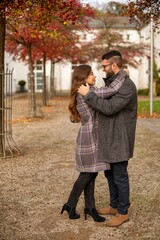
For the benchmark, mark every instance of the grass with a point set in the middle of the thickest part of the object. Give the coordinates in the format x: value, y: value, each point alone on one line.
x: 144, y: 106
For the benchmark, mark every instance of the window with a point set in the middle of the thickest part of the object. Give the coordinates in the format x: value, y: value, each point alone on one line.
x: 39, y: 67
x: 39, y: 80
x: 38, y: 71
x: 38, y: 62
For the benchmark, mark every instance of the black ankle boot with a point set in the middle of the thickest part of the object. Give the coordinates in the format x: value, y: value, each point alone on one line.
x: 94, y: 214
x: 71, y: 211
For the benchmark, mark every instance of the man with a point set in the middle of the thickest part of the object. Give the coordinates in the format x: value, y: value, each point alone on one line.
x: 116, y: 135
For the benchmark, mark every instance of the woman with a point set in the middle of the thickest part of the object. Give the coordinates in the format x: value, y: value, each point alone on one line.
x: 86, y: 144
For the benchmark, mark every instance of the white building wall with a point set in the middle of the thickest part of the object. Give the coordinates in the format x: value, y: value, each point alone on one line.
x: 145, y: 62
x: 131, y: 35
x: 97, y: 69
x: 134, y: 75
x: 20, y: 71
x: 157, y: 48
x: 63, y: 72
x: 143, y: 74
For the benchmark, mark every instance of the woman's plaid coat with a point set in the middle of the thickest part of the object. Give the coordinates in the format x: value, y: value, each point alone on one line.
x: 87, y: 141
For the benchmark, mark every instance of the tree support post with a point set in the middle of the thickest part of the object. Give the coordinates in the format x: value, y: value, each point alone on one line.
x: 9, y: 147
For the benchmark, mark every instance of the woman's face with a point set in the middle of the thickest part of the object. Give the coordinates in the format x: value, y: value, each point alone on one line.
x: 91, y: 79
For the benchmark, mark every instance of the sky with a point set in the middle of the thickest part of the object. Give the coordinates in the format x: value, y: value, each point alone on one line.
x: 95, y: 2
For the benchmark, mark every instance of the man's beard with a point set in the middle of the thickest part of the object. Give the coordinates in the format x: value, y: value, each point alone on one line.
x: 109, y: 74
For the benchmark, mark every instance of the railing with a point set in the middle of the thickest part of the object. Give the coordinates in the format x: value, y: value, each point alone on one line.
x: 8, y: 146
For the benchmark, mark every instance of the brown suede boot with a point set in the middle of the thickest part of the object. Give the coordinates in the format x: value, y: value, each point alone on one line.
x: 117, y: 220
x: 107, y: 210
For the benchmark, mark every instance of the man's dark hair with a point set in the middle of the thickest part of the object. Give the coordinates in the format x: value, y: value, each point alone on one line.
x: 114, y: 56
x: 110, y: 54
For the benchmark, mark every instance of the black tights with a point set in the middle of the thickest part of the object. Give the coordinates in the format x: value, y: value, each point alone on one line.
x: 86, y: 182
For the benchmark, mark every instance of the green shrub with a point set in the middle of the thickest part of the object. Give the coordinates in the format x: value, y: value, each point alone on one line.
x: 143, y: 92
x: 158, y: 87
x: 22, y: 82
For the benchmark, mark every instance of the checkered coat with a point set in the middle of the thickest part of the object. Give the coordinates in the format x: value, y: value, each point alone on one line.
x: 87, y: 139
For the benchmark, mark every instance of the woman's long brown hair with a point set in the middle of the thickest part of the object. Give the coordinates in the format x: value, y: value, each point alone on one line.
x: 79, y: 76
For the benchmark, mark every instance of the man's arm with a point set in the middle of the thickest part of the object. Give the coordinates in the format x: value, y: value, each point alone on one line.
x: 106, y: 91
x: 113, y: 105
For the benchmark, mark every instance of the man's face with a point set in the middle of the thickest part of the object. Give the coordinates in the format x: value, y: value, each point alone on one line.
x: 107, y: 68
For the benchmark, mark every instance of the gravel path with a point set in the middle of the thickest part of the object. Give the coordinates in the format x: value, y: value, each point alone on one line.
x: 151, y: 124
x: 36, y: 184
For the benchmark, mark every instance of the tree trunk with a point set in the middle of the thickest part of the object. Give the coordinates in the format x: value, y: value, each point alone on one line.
x: 44, y: 82
x: 2, y: 43
x: 52, y: 90
x: 33, y: 107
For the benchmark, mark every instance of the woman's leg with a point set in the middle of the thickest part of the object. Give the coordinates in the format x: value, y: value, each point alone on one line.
x: 90, y: 208
x: 89, y: 192
x: 78, y: 187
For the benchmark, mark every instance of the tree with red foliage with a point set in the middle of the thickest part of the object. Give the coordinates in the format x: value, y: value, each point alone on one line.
x: 33, y: 21
x: 140, y: 11
x: 25, y: 20
x: 56, y: 49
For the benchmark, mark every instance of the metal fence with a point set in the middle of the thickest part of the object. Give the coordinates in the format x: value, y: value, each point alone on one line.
x: 9, y: 148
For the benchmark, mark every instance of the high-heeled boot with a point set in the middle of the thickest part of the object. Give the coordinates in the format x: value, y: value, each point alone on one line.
x: 71, y: 211
x: 94, y: 214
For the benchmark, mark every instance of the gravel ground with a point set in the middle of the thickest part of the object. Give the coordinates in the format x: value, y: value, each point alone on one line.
x: 36, y: 184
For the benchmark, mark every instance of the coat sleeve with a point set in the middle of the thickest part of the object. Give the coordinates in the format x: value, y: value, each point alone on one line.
x: 113, y: 105
x: 105, y: 92
x: 83, y: 109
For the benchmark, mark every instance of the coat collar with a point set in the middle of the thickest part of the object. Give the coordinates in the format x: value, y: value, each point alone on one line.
x: 110, y: 79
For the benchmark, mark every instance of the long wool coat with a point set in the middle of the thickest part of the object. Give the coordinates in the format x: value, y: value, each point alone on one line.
x: 87, y: 140
x: 117, y: 123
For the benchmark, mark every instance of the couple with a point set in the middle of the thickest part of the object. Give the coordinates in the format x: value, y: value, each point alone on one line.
x: 105, y: 140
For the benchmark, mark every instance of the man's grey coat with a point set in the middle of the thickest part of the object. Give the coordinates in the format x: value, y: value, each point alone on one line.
x: 117, y: 123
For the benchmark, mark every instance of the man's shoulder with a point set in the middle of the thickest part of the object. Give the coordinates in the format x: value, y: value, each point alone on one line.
x: 128, y: 84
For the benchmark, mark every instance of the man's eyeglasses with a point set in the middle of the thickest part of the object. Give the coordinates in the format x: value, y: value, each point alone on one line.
x: 104, y: 66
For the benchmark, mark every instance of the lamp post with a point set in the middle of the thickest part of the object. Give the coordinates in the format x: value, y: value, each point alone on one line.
x: 151, y: 66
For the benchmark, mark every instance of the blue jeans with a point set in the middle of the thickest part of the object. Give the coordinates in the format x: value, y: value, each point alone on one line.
x: 118, y: 182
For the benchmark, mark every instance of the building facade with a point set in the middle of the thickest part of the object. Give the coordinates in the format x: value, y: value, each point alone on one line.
x: 62, y: 71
